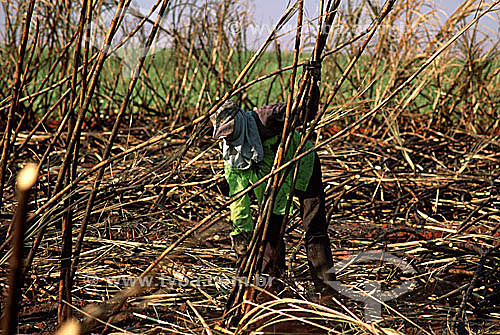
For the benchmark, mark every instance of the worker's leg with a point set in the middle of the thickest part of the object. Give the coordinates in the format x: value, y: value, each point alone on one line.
x: 273, y: 263
x: 317, y: 242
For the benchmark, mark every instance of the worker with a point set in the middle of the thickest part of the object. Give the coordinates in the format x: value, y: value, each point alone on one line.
x: 250, y: 142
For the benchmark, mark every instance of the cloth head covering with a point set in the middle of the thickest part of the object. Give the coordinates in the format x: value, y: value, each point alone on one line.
x: 223, y: 119
x: 244, y: 146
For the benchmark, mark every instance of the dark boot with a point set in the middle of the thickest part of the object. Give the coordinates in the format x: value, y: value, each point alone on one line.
x: 319, y: 257
x: 240, y: 242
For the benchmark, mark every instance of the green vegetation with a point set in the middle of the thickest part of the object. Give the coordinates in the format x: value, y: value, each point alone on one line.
x: 130, y: 183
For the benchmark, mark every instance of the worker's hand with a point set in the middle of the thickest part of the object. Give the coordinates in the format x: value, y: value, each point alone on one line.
x: 314, y: 68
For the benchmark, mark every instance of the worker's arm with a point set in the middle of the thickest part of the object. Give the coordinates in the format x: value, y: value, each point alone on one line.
x: 241, y: 215
x: 272, y: 117
x: 311, y: 102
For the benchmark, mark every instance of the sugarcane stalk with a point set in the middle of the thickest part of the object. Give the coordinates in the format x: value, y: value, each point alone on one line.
x: 65, y: 282
x: 114, y: 133
x: 252, y: 262
x: 118, y: 16
x: 26, y: 179
x: 16, y: 93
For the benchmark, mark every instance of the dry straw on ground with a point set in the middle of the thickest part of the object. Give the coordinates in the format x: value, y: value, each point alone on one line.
x: 131, y: 188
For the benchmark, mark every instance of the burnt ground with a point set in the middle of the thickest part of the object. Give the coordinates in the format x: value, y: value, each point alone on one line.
x: 440, y: 217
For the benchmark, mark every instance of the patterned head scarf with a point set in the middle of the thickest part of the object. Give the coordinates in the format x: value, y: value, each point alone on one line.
x: 242, y: 144
x: 223, y: 119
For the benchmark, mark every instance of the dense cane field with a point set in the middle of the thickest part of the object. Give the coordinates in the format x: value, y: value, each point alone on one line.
x: 126, y: 230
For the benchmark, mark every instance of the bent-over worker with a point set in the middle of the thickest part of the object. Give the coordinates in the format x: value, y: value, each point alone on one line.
x: 250, y: 141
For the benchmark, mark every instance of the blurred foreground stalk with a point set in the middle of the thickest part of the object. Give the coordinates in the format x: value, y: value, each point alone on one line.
x: 25, y: 181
